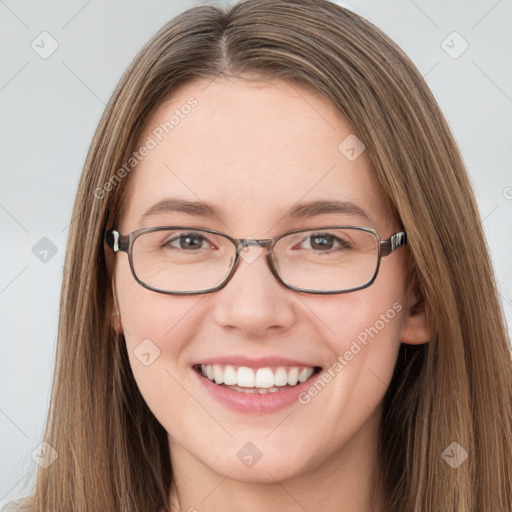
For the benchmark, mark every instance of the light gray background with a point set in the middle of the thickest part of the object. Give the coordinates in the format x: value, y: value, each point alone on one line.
x: 50, y: 108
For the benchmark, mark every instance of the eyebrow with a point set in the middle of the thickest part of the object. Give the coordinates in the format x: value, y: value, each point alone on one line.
x: 299, y: 211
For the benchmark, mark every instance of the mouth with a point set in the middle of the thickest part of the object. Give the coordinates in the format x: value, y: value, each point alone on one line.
x: 256, y: 380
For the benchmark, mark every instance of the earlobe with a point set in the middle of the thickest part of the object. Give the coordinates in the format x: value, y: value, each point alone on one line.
x: 415, y: 330
x: 116, y: 323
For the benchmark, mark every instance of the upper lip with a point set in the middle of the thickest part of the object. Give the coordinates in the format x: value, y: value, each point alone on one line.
x: 260, y: 362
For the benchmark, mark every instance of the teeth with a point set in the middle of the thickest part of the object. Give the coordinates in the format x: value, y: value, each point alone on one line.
x: 280, y: 377
x: 218, y: 374
x: 244, y: 377
x: 293, y: 376
x: 262, y: 380
x: 304, y: 374
x: 229, y: 376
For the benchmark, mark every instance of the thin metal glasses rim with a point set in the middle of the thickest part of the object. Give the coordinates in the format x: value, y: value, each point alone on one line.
x: 124, y: 243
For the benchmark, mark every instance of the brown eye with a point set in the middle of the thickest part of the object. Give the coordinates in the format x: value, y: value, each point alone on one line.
x: 187, y: 241
x: 325, y: 242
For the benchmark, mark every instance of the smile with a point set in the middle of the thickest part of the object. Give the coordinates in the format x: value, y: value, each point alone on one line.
x: 256, y: 380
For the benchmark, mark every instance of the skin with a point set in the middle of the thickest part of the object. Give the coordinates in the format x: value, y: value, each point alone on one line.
x: 254, y: 148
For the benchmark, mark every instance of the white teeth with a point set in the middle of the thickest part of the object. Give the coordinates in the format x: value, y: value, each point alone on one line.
x: 249, y: 391
x: 305, y: 373
x: 293, y: 376
x: 245, y: 377
x: 262, y: 380
x: 280, y: 377
x: 229, y: 376
x: 218, y: 374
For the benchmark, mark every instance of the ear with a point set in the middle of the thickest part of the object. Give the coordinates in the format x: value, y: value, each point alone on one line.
x: 415, y: 330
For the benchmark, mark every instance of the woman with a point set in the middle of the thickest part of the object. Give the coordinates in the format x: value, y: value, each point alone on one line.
x: 305, y: 317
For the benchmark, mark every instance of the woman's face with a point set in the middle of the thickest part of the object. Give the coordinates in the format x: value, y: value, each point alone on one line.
x: 254, y: 150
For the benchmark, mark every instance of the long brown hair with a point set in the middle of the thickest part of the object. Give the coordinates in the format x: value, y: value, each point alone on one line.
x: 113, y: 453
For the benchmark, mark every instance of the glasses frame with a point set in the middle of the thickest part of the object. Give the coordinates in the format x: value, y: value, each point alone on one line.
x: 124, y: 243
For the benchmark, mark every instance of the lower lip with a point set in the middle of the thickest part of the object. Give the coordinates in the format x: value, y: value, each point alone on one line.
x: 255, y: 403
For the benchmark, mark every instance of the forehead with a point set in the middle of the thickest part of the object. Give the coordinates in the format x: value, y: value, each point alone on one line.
x: 253, y: 148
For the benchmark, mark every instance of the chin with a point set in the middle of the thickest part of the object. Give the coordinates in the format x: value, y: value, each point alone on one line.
x: 251, y: 465
x: 262, y: 472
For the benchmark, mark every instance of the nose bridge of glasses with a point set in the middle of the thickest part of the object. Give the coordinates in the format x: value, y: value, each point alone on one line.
x: 243, y: 245
x: 259, y: 245
x: 245, y: 242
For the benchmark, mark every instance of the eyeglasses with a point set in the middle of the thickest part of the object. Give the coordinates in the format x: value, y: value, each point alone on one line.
x: 179, y: 260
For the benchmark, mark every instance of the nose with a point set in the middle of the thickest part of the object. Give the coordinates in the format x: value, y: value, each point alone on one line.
x: 254, y: 301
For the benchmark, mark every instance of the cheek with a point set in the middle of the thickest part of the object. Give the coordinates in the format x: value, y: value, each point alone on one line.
x: 158, y: 330
x: 364, y: 339
x: 350, y: 389
x: 362, y: 320
x: 147, y: 314
x: 156, y: 336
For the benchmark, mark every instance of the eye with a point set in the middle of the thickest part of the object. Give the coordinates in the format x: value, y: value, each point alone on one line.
x: 325, y: 242
x: 188, y: 242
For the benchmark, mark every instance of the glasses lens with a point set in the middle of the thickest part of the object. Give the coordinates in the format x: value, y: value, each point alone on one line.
x: 327, y: 259
x: 182, y: 260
